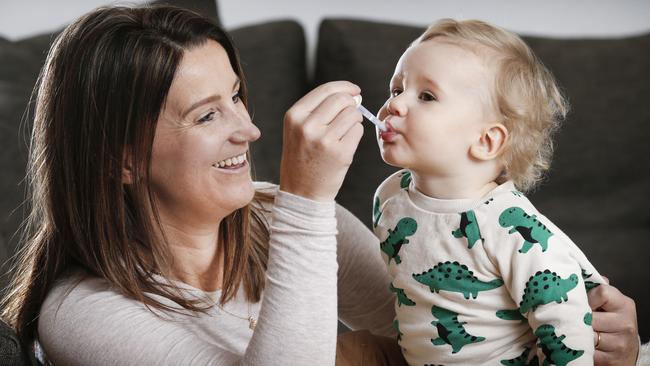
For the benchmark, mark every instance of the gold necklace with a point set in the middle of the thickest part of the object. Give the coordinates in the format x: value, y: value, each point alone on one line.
x: 252, y: 322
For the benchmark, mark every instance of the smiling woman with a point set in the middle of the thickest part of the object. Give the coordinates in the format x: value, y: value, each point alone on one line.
x: 201, y: 146
x: 148, y: 242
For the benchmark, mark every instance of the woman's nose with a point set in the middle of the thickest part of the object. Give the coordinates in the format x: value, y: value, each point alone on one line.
x: 246, y: 131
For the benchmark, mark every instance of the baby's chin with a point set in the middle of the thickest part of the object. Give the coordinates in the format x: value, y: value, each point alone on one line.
x: 391, y: 160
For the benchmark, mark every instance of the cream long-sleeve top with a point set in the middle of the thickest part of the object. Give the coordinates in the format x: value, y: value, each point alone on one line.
x: 91, y: 323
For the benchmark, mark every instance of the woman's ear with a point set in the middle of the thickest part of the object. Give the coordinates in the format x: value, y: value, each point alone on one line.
x: 127, y: 167
x: 491, y: 142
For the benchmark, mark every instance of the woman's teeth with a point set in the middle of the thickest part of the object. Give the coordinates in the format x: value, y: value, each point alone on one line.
x: 235, y: 160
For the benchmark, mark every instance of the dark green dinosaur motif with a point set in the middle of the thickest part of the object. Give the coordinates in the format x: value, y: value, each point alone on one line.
x: 396, y: 326
x: 588, y: 284
x: 511, y: 314
x: 450, y: 330
x: 545, y: 287
x: 522, y: 360
x: 405, y: 179
x: 517, y: 193
x: 588, y: 318
x: 455, y: 277
x: 376, y: 214
x: 468, y: 229
x: 396, y: 238
x: 556, y: 352
x: 402, y: 299
x: 532, y: 230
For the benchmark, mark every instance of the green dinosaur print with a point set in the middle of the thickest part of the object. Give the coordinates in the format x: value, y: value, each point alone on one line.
x: 527, y: 226
x: 468, y: 229
x: 396, y: 326
x: 546, y: 287
x: 405, y: 179
x: 396, y: 238
x: 455, y: 277
x: 588, y: 318
x: 376, y: 214
x: 522, y: 360
x: 517, y: 193
x: 402, y: 299
x: 450, y: 330
x: 556, y: 352
x: 588, y: 284
x: 510, y: 314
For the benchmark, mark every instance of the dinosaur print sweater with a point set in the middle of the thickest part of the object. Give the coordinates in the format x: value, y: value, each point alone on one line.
x: 483, y: 282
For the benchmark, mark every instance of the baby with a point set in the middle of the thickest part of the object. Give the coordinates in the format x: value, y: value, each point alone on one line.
x: 481, y: 277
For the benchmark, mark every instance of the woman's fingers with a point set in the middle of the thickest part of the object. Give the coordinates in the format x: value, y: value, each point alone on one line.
x: 344, y: 121
x: 307, y: 104
x: 319, y: 141
x: 610, y: 300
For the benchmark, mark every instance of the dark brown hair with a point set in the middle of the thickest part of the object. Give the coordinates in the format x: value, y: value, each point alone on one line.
x: 100, y: 94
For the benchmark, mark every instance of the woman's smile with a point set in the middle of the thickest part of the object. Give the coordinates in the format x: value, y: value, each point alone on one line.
x: 232, y: 164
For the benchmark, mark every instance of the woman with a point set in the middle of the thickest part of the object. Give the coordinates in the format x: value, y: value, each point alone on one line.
x: 148, y: 243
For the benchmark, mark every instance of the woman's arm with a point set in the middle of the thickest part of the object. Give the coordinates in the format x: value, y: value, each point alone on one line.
x: 364, y: 299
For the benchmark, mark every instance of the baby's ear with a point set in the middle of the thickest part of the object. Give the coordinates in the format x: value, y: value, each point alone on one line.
x: 491, y: 142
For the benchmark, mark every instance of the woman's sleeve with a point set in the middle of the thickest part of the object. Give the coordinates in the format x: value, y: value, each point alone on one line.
x: 644, y: 355
x: 298, y: 319
x: 365, y: 301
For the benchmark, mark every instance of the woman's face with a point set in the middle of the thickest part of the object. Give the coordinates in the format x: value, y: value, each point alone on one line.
x: 199, y: 166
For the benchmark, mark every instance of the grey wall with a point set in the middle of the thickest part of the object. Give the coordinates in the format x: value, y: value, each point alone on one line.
x: 561, y: 18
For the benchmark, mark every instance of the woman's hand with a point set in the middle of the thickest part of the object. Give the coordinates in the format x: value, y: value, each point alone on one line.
x: 614, y: 318
x: 321, y: 133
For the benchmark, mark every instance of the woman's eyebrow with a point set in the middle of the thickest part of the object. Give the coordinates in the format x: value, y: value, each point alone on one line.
x: 208, y: 99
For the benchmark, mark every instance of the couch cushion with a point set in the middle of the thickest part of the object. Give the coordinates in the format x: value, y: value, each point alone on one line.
x: 273, y: 59
x: 21, y: 62
x: 597, y: 189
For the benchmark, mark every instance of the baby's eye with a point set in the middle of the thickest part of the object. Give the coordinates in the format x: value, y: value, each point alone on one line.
x: 428, y: 97
x: 207, y: 118
x: 395, y: 92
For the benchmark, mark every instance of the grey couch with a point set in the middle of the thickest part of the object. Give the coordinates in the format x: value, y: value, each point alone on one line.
x: 596, y: 191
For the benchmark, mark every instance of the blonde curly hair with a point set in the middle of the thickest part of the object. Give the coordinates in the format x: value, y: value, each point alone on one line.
x: 525, y: 95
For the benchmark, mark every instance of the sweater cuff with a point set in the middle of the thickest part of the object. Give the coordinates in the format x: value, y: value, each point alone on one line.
x: 297, y: 212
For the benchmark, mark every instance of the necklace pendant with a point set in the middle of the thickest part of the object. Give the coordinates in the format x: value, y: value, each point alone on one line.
x: 252, y: 323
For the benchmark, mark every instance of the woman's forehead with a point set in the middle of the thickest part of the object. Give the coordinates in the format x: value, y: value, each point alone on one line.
x: 203, y: 71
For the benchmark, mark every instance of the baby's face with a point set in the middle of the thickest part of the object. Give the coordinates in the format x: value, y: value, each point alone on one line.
x: 438, y: 107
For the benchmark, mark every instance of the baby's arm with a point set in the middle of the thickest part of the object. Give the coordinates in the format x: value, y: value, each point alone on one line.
x: 548, y: 287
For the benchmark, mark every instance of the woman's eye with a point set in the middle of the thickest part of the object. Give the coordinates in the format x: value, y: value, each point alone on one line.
x: 236, y: 98
x: 428, y: 97
x: 207, y: 118
x: 395, y: 92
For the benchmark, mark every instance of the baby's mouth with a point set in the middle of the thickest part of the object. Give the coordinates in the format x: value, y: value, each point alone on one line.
x: 390, y: 133
x: 233, y: 162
